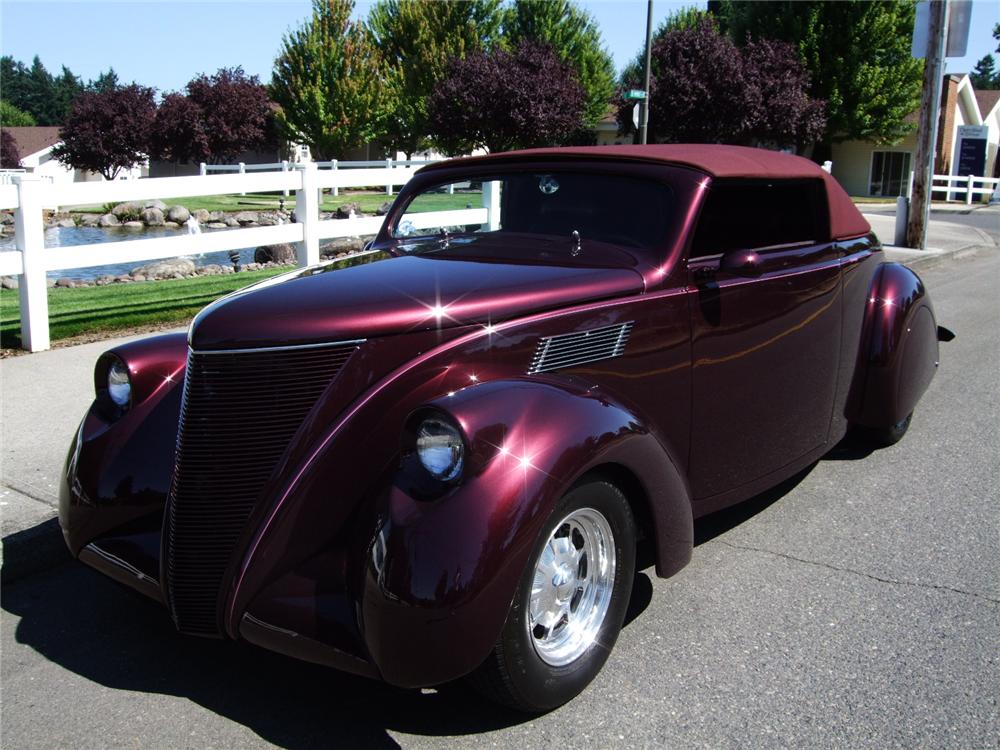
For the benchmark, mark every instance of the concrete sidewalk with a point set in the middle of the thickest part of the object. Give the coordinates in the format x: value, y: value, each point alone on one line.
x: 45, y: 395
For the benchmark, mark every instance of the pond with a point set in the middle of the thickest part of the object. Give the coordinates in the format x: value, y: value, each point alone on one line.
x: 73, y: 236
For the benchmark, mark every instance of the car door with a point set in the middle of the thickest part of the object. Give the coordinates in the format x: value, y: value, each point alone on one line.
x: 764, y: 285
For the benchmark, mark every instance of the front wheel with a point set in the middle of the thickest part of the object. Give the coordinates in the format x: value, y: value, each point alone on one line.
x: 570, y: 603
x: 883, y: 437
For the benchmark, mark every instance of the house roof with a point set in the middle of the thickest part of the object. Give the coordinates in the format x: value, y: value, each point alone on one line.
x: 987, y: 100
x: 34, y: 139
x: 715, y: 160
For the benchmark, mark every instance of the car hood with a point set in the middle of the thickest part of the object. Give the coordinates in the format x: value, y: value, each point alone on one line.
x: 396, y: 295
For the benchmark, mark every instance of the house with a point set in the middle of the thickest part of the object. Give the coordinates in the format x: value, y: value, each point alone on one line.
x: 967, y: 143
x: 35, y: 144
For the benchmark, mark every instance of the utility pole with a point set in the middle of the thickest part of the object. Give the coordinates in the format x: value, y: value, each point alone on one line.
x: 644, y: 126
x: 930, y: 108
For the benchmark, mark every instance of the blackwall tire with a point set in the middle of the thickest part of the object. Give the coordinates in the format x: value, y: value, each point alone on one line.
x: 570, y: 603
x: 883, y: 437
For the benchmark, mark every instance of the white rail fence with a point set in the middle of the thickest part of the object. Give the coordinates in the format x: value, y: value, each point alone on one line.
x: 284, y: 166
x: 31, y: 260
x: 954, y: 185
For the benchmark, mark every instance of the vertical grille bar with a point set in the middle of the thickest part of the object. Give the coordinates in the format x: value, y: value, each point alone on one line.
x: 239, y: 412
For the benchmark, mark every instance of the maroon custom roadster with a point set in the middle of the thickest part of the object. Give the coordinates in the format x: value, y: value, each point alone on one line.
x: 441, y: 464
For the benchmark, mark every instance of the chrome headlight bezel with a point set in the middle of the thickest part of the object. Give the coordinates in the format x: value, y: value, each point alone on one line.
x: 440, y: 447
x: 115, y: 391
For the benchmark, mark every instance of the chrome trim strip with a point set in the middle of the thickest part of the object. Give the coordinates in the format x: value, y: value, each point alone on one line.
x: 114, y: 560
x: 355, y: 342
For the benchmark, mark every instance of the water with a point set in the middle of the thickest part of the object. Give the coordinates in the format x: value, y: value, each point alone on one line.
x: 71, y: 237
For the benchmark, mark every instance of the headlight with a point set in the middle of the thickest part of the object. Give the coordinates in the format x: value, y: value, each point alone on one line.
x: 440, y: 448
x: 119, y: 384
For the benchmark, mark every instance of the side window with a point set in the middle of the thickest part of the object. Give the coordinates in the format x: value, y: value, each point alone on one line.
x: 748, y: 215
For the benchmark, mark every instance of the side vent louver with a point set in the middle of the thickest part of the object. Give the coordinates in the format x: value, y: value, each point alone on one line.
x: 572, y: 349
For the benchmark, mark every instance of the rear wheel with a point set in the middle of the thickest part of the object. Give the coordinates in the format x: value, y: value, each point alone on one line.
x: 570, y: 603
x: 883, y: 437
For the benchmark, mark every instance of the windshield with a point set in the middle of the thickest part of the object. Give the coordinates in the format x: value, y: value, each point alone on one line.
x: 571, y: 217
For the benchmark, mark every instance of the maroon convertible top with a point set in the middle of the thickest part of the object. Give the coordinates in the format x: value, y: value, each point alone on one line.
x: 715, y: 160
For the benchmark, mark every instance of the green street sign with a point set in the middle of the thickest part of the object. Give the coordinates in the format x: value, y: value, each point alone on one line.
x: 635, y: 94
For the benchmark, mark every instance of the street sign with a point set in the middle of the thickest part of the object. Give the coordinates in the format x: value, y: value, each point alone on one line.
x: 959, y: 20
x: 972, y: 149
x: 635, y: 116
x: 635, y: 94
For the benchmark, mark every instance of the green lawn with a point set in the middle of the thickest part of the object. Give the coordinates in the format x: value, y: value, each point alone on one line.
x: 118, y: 306
x: 369, y: 202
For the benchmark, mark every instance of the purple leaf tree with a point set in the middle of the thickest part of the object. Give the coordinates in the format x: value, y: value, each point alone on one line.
x: 506, y: 100
x: 221, y: 117
x: 9, y: 156
x: 107, y: 131
x: 705, y: 89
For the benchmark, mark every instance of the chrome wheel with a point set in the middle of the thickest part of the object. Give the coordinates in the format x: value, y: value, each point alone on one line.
x: 571, y: 588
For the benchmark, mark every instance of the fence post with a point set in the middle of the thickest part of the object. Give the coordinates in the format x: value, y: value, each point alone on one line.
x: 491, y: 201
x: 30, y: 240
x: 203, y: 169
x: 284, y: 168
x: 243, y: 170
x: 909, y: 187
x: 388, y: 165
x: 307, y: 214
x: 968, y: 191
x: 334, y: 191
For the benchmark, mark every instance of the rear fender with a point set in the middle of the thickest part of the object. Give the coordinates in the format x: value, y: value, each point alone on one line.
x: 443, y: 570
x: 898, y: 355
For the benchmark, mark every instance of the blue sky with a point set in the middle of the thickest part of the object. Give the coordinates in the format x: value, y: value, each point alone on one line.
x: 165, y: 44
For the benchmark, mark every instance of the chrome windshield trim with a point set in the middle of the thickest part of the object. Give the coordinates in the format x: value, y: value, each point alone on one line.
x: 354, y: 342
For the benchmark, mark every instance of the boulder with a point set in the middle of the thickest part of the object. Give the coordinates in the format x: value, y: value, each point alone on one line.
x: 138, y: 277
x: 6, y: 218
x: 153, y: 216
x: 155, y: 204
x: 8, y: 282
x: 344, y: 212
x: 66, y: 224
x: 50, y: 283
x: 267, y: 220
x: 216, y: 225
x: 231, y: 222
x: 124, y: 279
x: 65, y: 283
x: 212, y: 269
x: 216, y: 216
x: 341, y: 246
x: 171, y: 225
x: 282, y: 253
x: 246, y: 217
x: 108, y: 220
x: 137, y: 225
x: 89, y: 220
x: 126, y: 209
x: 178, y: 214
x: 170, y: 268
x: 202, y: 215
x: 383, y: 209
x: 105, y: 280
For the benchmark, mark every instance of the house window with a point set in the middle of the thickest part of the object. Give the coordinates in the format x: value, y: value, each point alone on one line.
x: 890, y: 173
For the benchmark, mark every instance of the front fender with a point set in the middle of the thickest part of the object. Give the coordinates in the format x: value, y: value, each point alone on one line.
x: 442, y: 572
x: 119, y: 466
x: 898, y: 354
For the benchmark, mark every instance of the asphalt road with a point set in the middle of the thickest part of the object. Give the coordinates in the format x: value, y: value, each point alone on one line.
x: 856, y: 606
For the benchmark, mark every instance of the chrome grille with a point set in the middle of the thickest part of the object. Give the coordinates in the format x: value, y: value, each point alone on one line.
x: 240, y: 410
x: 581, y: 347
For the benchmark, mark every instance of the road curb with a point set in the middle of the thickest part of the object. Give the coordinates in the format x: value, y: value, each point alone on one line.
x: 33, y: 550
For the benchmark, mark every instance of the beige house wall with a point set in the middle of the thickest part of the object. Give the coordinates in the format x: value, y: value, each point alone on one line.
x: 852, y: 162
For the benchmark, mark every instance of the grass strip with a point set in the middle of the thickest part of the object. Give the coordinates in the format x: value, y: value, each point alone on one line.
x: 121, y: 306
x: 368, y: 201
